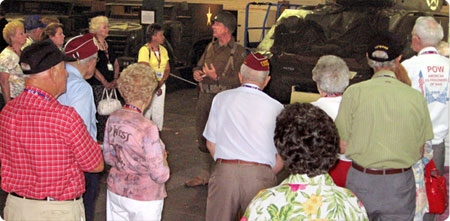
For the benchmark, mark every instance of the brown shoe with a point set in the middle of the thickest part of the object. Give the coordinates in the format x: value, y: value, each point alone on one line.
x: 197, y: 181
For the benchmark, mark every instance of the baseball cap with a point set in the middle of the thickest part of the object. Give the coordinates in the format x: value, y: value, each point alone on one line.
x: 257, y: 62
x: 81, y: 46
x: 41, y: 56
x: 227, y: 19
x: 32, y: 22
x: 386, y: 42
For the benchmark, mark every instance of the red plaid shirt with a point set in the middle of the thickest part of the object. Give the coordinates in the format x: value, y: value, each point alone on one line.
x: 44, y: 148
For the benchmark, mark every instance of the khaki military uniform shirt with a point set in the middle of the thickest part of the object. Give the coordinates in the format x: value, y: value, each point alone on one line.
x: 384, y: 122
x: 218, y: 56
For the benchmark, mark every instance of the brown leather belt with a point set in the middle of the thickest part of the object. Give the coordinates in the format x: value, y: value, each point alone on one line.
x: 380, y: 171
x: 219, y: 160
x: 45, y: 199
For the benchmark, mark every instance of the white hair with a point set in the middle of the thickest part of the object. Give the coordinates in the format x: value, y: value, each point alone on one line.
x: 331, y: 74
x: 252, y: 75
x: 429, y: 31
x: 86, y: 60
x: 377, y: 64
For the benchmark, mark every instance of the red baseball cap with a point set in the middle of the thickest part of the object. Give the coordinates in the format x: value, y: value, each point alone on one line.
x: 257, y: 62
x: 81, y: 46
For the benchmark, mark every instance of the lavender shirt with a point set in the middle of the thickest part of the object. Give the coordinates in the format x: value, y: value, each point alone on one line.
x: 133, y: 148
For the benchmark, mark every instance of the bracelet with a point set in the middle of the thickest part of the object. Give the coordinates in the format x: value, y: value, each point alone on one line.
x: 217, y: 78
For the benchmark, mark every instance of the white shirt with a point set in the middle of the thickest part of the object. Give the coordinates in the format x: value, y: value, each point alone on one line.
x: 331, y: 106
x: 429, y: 73
x: 242, y: 123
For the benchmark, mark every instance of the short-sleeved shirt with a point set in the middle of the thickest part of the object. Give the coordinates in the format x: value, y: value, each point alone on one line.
x: 242, y: 124
x: 79, y: 95
x: 429, y: 74
x: 44, y: 148
x: 218, y: 55
x: 300, y: 197
x: 331, y: 106
x: 9, y: 63
x: 384, y: 121
x: 157, y: 59
x: 136, y: 153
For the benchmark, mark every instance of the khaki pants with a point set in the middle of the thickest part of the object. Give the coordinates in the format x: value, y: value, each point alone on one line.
x: 17, y: 208
x: 233, y: 186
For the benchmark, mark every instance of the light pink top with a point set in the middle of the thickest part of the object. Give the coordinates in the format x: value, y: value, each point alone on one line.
x: 133, y: 148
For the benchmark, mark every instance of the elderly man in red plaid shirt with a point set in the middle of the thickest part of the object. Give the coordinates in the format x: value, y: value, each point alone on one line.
x: 44, y: 146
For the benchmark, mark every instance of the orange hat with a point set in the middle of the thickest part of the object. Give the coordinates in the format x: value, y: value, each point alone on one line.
x: 81, y: 46
x: 257, y: 62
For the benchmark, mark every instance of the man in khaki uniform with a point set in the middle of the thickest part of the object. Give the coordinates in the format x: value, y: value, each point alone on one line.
x: 216, y: 71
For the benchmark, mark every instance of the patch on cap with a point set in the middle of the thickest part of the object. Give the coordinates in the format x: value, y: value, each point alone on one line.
x: 257, y: 62
x: 81, y: 46
x: 386, y: 42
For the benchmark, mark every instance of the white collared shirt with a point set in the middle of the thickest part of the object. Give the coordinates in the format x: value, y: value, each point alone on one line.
x: 242, y: 123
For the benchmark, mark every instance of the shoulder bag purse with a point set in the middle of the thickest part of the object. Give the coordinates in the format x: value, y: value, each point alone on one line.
x: 109, y: 104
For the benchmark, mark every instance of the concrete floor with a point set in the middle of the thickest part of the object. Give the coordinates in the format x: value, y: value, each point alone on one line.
x: 185, y: 162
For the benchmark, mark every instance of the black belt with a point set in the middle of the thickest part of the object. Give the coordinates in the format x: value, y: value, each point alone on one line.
x: 380, y: 171
x: 45, y: 199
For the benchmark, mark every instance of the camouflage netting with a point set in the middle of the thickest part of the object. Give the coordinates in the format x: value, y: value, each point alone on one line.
x: 344, y: 34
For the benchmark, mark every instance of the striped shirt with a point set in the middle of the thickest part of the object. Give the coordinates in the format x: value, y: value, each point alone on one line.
x: 384, y: 122
x: 44, y: 148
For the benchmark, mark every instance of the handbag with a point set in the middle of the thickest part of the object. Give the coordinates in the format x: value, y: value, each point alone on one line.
x: 109, y: 104
x: 436, y: 189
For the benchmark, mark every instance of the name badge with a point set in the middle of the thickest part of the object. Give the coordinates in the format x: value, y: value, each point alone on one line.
x: 110, y: 67
x: 159, y: 74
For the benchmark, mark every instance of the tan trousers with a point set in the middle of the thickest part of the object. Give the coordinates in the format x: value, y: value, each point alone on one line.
x: 17, y: 208
x: 233, y: 186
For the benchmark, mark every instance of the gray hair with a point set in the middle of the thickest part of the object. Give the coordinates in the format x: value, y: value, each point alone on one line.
x: 429, y: 31
x: 331, y: 74
x: 253, y: 75
x: 377, y: 64
x: 86, y: 60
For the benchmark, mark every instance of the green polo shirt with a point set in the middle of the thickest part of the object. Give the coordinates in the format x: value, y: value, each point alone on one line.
x: 384, y: 121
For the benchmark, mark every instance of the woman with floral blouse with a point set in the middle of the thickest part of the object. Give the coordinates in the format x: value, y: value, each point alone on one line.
x: 307, y: 140
x: 11, y: 75
x: 132, y: 146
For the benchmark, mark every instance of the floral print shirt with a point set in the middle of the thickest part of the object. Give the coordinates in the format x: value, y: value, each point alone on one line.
x: 300, y: 197
x: 9, y: 63
x: 133, y: 148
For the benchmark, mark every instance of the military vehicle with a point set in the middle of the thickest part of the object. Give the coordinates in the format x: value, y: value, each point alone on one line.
x: 188, y: 31
x: 73, y: 15
x: 341, y: 28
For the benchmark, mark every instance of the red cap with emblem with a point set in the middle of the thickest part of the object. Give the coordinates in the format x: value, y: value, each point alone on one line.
x: 81, y: 46
x: 257, y: 62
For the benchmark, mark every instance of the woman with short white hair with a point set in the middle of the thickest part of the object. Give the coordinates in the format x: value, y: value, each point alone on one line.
x: 107, y: 68
x: 332, y: 76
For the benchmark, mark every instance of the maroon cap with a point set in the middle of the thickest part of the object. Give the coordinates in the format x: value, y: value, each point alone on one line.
x: 257, y: 62
x: 81, y: 46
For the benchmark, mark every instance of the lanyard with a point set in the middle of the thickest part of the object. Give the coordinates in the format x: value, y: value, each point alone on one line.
x: 37, y: 93
x: 251, y: 86
x: 158, y: 58
x: 385, y: 75
x: 334, y: 95
x: 428, y: 52
x: 131, y: 107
